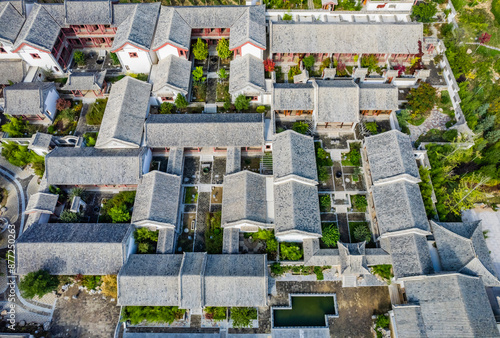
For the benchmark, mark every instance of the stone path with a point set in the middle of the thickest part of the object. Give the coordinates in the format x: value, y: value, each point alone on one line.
x: 201, y: 226
x: 437, y: 120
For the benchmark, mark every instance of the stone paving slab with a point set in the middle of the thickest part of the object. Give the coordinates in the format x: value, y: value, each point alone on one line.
x: 437, y: 120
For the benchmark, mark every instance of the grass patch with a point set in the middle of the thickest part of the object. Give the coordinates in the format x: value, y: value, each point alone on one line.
x: 353, y: 157
x: 190, y: 195
x: 223, y: 91
x: 96, y: 112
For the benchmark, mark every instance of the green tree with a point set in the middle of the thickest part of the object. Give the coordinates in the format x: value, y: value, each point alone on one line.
x: 38, y: 283
x: 79, y: 58
x: 422, y: 99
x: 362, y: 232
x: 200, y: 50
x: 69, y: 217
x: 198, y: 74
x: 119, y: 214
x: 223, y: 49
x: 166, y: 108
x: 243, y: 316
x: 309, y: 61
x: 331, y: 235
x: 424, y: 11
x: 181, y: 102
x: 325, y: 202
x: 242, y: 103
x: 290, y: 251
x: 369, y: 61
x: 300, y: 127
x: 15, y: 127
x: 20, y: 156
x: 146, y: 240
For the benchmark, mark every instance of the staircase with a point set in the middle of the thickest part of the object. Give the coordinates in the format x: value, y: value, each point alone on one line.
x: 349, y: 281
x: 266, y: 164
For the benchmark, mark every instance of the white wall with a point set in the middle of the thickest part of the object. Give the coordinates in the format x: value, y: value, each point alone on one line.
x: 50, y: 103
x: 293, y: 237
x: 141, y: 64
x: 166, y: 51
x: 9, y: 54
x: 46, y: 60
x: 250, y: 49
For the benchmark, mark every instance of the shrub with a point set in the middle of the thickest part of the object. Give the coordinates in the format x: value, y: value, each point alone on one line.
x: 38, y: 283
x: 421, y: 100
x: 372, y: 127
x: 222, y: 74
x: 260, y: 109
x: 359, y: 202
x: 325, y: 202
x: 287, y: 17
x: 91, y: 282
x: 322, y: 156
x: 424, y: 12
x: 96, y: 112
x: 290, y: 251
x: 318, y: 270
x: 20, y: 156
x: 295, y: 70
x: 69, y: 217
x: 450, y: 135
x: 119, y: 213
x: 90, y: 139
x: 214, y: 235
x: 269, y: 65
x: 223, y: 49
x: 62, y: 104
x: 268, y: 237
x: 243, y: 316
x: 331, y: 235
x: 198, y: 74
x: 15, y: 127
x: 115, y: 59
x: 109, y: 286
x: 277, y: 269
x: 361, y: 231
x: 117, y: 209
x: 300, y: 127
x: 146, y: 240
x: 369, y: 61
x: 383, y: 270
x: 323, y: 174
x: 151, y: 314
x: 200, y: 50
x: 241, y: 102
x: 382, y: 321
x: 309, y: 61
x: 79, y: 58
x: 181, y: 102
x: 166, y: 108
x: 215, y: 313
x: 353, y: 157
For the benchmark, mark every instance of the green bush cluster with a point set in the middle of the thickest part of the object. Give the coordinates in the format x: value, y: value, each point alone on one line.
x: 21, y: 156
x: 325, y: 202
x: 243, y: 316
x: 90, y: 282
x: 215, y: 313
x: 331, y: 234
x: 426, y: 191
x: 268, y: 237
x: 360, y: 231
x: 290, y: 251
x: 353, y: 157
x: 146, y: 240
x: 300, y: 127
x: 214, y: 235
x: 359, y: 202
x: 96, y: 112
x: 90, y: 138
x: 38, y: 283
x: 383, y: 270
x: 118, y: 209
x: 152, y: 314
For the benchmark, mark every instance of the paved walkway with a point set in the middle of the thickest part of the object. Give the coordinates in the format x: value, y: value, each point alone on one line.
x: 437, y: 120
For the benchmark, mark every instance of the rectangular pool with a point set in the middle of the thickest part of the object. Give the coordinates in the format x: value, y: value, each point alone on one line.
x: 305, y: 311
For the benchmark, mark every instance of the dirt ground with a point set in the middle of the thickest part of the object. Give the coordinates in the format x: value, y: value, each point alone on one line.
x: 355, y: 305
x: 87, y: 316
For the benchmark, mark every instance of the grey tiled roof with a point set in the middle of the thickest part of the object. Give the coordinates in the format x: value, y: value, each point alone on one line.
x: 85, y: 81
x: 351, y: 37
x: 11, y: 71
x: 352, y: 258
x: 399, y: 206
x: 73, y: 248
x: 247, y: 24
x: 171, y: 29
x: 166, y: 241
x: 125, y: 113
x: 409, y: 321
x: 459, y: 244
x: 170, y: 73
x: 293, y: 96
x: 150, y: 280
x: 410, y: 255
x: 390, y: 155
x: 175, y: 163
x: 42, y: 202
x: 338, y: 101
x: 231, y: 241
x: 247, y: 71
x: 40, y: 29
x: 296, y: 207
x: 453, y: 305
x: 88, y: 12
x: 138, y: 28
x: 293, y: 154
x: 27, y: 98
x: 233, y: 160
x: 205, y: 130
x: 244, y: 198
x: 11, y: 22
x: 40, y: 141
x: 381, y: 96
x: 236, y: 280
x: 157, y: 199
x: 193, y: 280
x: 92, y: 166
x: 191, y: 284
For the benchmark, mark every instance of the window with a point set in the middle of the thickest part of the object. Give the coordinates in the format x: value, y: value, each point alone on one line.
x: 254, y: 98
x: 3, y: 51
x: 167, y: 98
x: 56, y: 69
x: 35, y: 56
x: 133, y: 55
